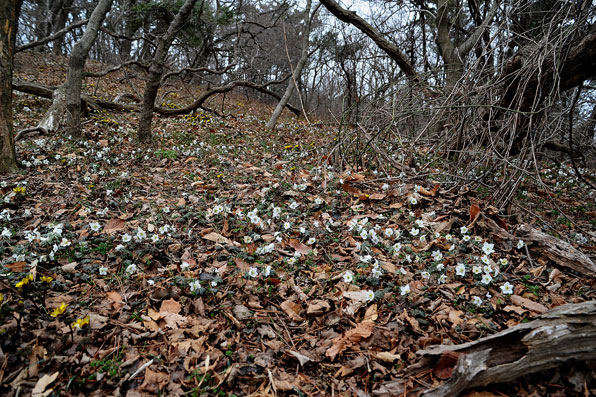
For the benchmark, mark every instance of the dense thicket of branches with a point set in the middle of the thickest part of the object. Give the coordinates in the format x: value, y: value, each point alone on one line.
x: 478, y: 81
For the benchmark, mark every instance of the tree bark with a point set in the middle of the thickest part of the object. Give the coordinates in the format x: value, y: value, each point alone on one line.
x: 527, y: 84
x: 452, y: 54
x: 9, y: 17
x: 297, y: 70
x: 77, y: 60
x: 558, y: 336
x: 157, y: 68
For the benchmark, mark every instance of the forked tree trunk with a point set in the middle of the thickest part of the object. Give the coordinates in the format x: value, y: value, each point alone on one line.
x: 156, y: 70
x: 76, y: 64
x: 9, y: 16
x: 297, y: 70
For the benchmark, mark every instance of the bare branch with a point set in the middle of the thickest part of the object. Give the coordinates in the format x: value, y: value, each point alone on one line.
x: 52, y: 37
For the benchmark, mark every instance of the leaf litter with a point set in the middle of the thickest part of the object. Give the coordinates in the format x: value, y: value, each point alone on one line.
x: 231, y: 259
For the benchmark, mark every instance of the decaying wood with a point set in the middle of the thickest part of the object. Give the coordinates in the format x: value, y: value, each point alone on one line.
x: 53, y: 118
x: 558, y: 251
x: 540, y: 243
x: 563, y: 334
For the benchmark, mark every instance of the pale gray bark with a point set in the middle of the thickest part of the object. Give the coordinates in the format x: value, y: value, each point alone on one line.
x: 77, y: 60
x: 558, y: 336
x: 298, y: 69
x: 157, y: 68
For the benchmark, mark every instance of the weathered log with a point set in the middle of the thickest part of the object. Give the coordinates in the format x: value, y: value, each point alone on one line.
x: 540, y: 243
x: 53, y: 119
x: 558, y: 251
x: 561, y: 335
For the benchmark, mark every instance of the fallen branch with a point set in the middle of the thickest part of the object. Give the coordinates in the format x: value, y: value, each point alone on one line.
x: 563, y: 334
x: 97, y: 103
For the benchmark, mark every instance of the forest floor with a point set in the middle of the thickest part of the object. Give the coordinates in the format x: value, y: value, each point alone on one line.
x: 226, y: 259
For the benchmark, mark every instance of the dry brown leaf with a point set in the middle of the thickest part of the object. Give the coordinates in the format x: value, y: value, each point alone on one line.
x: 155, y: 381
x: 515, y: 309
x: 17, y: 267
x: 377, y: 196
x: 217, y: 238
x: 70, y: 268
x: 169, y: 313
x: 298, y: 246
x: 116, y: 299
x: 455, y: 317
x: 350, y: 338
x: 318, y: 307
x: 302, y: 359
x: 292, y: 309
x: 114, y: 225
x: 474, y: 213
x: 387, y: 357
x: 528, y: 304
x: 40, y: 387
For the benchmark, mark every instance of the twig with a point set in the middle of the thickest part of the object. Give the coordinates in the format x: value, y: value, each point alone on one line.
x: 141, y: 368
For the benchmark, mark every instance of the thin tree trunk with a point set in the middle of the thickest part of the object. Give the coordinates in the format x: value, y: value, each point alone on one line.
x: 77, y: 60
x: 59, y: 22
x: 297, y: 70
x: 9, y: 16
x: 156, y: 70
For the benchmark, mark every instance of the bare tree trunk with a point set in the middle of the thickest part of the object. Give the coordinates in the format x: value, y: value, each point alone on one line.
x: 129, y: 30
x: 297, y: 70
x: 451, y: 54
x: 9, y: 16
x: 157, y: 68
x: 76, y: 64
x: 60, y: 15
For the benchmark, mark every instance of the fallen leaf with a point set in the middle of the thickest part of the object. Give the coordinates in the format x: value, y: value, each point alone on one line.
x: 40, y: 387
x: 387, y: 357
x: 70, y: 267
x: 17, y: 267
x: 447, y: 361
x: 474, y: 214
x: 292, y: 309
x: 242, y: 312
x: 116, y: 299
x: 217, y: 238
x: 318, y: 307
x: 298, y: 246
x: 302, y: 359
x: 358, y: 296
x: 515, y: 309
x: 155, y: 381
x: 528, y: 304
x: 350, y: 338
x: 114, y: 225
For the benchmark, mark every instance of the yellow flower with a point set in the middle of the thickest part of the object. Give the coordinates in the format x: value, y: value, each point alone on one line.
x: 219, y: 175
x: 59, y: 310
x: 28, y: 278
x: 47, y: 279
x: 1, y: 298
x: 81, y: 322
x: 288, y: 147
x: 19, y: 190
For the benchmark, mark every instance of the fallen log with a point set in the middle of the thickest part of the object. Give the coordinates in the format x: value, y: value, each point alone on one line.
x: 540, y: 243
x: 97, y: 103
x: 558, y: 336
x: 557, y: 250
